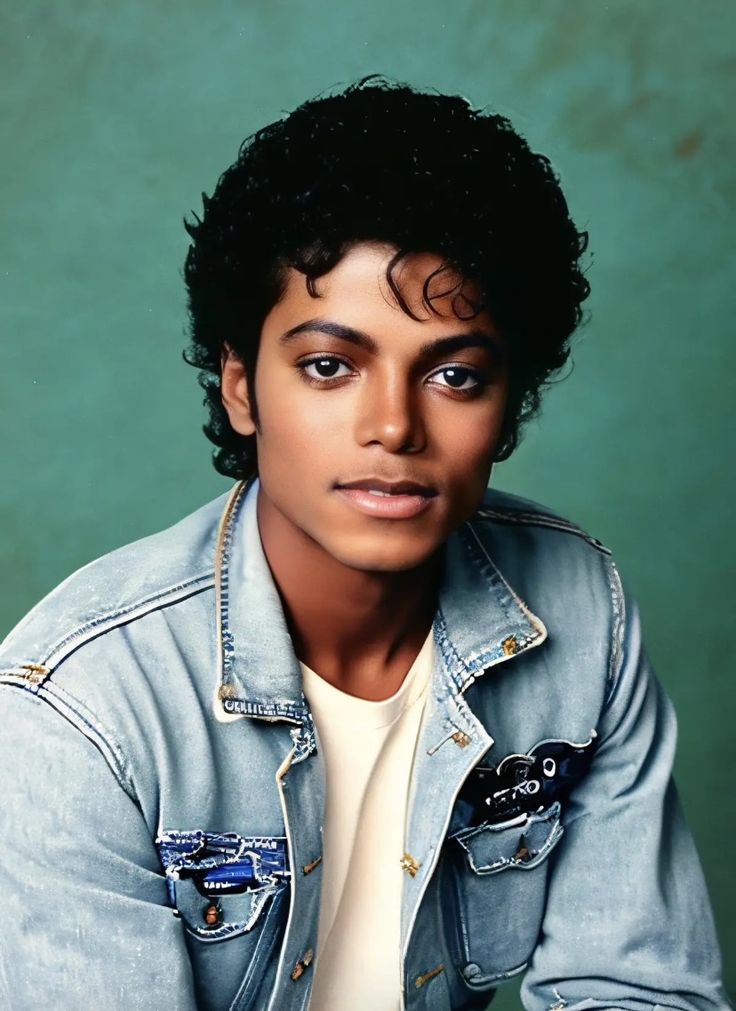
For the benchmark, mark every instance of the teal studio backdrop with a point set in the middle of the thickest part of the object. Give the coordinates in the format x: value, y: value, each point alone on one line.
x: 116, y: 116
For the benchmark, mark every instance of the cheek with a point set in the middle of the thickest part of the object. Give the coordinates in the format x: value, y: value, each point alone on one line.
x: 473, y: 441
x: 297, y: 440
x: 307, y: 417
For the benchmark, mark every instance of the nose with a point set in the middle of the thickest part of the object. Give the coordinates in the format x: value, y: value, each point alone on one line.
x: 389, y: 415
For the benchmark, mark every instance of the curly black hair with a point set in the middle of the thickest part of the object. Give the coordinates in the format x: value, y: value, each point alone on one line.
x: 380, y: 161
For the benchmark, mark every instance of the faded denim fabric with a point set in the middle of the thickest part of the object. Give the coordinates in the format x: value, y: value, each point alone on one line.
x: 163, y: 788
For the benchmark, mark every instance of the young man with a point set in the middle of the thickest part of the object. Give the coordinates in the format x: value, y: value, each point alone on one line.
x: 362, y: 734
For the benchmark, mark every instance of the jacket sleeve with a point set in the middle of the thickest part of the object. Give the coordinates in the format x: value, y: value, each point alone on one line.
x: 87, y: 921
x: 628, y: 923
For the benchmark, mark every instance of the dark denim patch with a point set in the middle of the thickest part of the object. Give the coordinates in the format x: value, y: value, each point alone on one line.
x: 522, y: 784
x: 221, y: 882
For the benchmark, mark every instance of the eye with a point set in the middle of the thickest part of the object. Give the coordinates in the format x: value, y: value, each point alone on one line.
x: 459, y: 377
x: 324, y: 367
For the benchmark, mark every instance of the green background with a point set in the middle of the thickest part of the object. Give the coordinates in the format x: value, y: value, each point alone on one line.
x: 115, y: 116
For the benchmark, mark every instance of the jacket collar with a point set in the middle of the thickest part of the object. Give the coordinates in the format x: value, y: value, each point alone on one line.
x: 480, y: 620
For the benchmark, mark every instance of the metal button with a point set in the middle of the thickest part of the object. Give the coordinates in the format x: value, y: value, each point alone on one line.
x: 213, y: 914
x: 36, y: 673
x: 426, y: 976
x: 410, y: 865
x: 472, y: 971
x: 510, y: 645
x: 523, y: 853
x: 298, y: 971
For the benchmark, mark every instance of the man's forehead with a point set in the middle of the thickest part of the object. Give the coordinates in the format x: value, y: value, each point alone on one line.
x: 425, y: 282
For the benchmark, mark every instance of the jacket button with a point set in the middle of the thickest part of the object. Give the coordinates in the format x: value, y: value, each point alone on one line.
x: 523, y: 853
x: 410, y: 865
x: 213, y: 915
x: 298, y: 971
x: 510, y: 646
x: 471, y: 971
x: 36, y: 672
x: 426, y: 976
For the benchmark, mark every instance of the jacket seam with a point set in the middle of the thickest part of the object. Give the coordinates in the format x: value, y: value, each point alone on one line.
x: 85, y: 723
x: 528, y: 518
x: 113, y: 619
x: 618, y: 626
x: 492, y: 573
x: 72, y: 709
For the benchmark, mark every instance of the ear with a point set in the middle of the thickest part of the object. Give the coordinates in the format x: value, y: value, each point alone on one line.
x: 235, y: 397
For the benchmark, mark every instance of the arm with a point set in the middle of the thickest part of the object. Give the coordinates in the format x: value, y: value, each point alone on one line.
x: 86, y: 914
x: 628, y: 922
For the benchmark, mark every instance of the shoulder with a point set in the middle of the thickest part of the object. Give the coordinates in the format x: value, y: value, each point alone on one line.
x: 504, y: 509
x: 561, y: 571
x: 155, y: 572
x: 567, y: 577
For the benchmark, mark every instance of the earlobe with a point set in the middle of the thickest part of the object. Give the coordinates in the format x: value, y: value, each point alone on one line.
x: 235, y: 396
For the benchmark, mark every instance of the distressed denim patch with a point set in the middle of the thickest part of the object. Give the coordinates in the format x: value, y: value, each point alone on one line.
x: 522, y: 784
x: 483, y: 878
x: 220, y: 883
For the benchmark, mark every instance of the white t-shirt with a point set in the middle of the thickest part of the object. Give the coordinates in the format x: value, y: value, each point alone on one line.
x: 368, y: 749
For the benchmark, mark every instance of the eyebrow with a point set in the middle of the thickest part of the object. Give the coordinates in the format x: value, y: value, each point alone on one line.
x: 443, y: 345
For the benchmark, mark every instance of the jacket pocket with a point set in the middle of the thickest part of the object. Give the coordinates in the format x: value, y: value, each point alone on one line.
x: 497, y: 879
x: 221, y: 884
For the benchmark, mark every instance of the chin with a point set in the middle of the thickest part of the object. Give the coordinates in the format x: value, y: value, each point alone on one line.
x: 381, y: 559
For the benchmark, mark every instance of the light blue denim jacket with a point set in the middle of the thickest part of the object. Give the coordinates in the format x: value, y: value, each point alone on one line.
x: 155, y: 739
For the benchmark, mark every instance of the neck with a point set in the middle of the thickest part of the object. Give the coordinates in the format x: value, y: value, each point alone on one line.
x: 359, y: 630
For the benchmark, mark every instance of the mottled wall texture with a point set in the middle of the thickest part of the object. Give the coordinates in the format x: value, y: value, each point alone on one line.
x: 115, y: 116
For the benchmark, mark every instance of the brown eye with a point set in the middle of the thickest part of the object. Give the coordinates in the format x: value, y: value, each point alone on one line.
x: 456, y: 377
x: 459, y: 377
x: 324, y: 367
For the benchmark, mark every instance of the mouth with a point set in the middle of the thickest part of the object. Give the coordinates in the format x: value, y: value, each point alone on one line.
x: 387, y: 500
x: 387, y: 489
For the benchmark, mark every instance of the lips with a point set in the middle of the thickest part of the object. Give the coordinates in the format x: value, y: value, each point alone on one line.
x: 387, y: 500
x: 379, y: 486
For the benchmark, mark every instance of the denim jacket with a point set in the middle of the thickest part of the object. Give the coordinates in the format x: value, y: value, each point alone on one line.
x: 163, y: 786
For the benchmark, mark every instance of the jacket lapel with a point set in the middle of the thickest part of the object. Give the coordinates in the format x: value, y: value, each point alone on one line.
x: 480, y: 622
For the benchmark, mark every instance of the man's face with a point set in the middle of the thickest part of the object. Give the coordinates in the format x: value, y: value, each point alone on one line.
x: 350, y: 389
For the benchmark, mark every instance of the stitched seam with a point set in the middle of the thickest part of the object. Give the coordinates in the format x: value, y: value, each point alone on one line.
x: 465, y: 674
x: 461, y: 678
x: 491, y: 572
x: 618, y: 624
x: 508, y: 974
x: 512, y: 596
x: 542, y: 520
x: 453, y: 663
x: 111, y: 752
x: 221, y: 576
x: 161, y: 599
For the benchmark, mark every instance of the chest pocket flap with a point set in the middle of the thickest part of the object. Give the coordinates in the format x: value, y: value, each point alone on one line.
x: 522, y: 843
x: 221, y: 883
x: 496, y: 886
